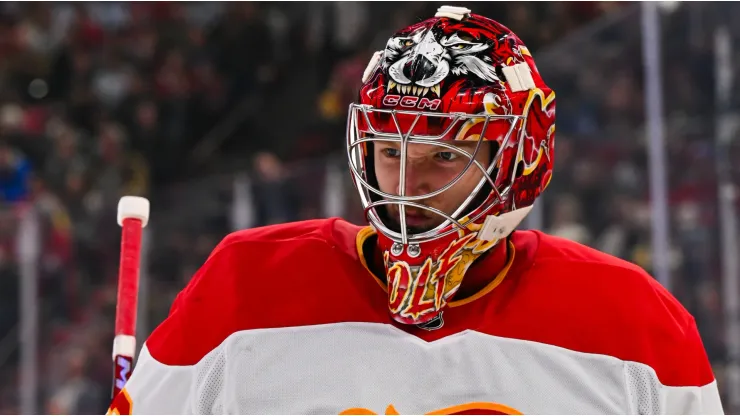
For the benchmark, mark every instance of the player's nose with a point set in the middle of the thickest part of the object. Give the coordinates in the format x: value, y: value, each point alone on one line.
x: 414, y: 181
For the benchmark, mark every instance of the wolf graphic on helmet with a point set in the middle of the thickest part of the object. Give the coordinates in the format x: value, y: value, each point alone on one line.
x: 445, y: 49
x: 445, y: 66
x: 443, y: 60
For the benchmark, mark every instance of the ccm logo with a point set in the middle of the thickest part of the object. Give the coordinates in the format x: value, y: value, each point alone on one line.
x: 410, y: 101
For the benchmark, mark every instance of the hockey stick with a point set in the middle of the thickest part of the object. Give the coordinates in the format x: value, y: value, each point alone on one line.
x: 133, y: 215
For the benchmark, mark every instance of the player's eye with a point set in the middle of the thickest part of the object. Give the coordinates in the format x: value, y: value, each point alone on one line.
x: 460, y: 46
x: 408, y: 42
x: 390, y: 152
x: 447, y: 156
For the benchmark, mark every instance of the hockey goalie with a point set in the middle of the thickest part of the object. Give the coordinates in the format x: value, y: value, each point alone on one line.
x: 439, y: 305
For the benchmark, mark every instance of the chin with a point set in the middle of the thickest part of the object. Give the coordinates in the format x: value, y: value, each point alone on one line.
x: 392, y: 222
x: 395, y: 225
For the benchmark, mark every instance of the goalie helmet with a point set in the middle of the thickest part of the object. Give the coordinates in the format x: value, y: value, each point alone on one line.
x: 453, y: 78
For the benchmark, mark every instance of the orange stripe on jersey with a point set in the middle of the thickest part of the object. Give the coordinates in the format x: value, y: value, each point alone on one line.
x: 493, y: 284
x: 122, y: 404
x: 362, y: 236
x: 474, y: 408
x: 477, y: 408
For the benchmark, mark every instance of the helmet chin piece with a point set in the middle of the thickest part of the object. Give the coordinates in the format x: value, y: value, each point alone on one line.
x: 421, y: 285
x: 423, y: 278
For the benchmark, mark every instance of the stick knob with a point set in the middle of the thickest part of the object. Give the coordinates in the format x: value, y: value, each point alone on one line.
x: 133, y: 207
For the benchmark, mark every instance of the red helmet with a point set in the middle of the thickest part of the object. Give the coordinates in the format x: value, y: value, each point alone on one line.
x: 455, y: 77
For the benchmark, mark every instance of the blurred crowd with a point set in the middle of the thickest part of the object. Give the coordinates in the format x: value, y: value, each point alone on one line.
x: 187, y: 103
x: 600, y: 193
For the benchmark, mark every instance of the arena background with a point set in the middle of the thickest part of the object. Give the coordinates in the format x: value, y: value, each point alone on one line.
x: 229, y: 116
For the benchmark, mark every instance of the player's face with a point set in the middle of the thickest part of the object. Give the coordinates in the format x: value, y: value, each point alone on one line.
x: 428, y: 168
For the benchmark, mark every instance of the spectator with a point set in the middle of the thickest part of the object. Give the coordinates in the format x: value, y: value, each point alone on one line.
x: 566, y: 220
x: 274, y: 196
x: 15, y: 171
x: 78, y: 394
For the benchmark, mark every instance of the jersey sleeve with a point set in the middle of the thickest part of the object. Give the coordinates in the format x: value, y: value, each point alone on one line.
x: 173, y: 364
x: 684, y: 382
x: 703, y: 398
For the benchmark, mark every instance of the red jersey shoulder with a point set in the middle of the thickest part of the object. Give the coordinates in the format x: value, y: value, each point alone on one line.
x: 590, y: 301
x: 334, y: 232
x: 292, y: 231
x: 277, y: 276
x: 585, y: 273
